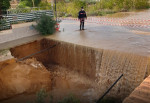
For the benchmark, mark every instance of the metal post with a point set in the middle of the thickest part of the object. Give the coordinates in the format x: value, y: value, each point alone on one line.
x: 33, y: 3
x: 55, y: 11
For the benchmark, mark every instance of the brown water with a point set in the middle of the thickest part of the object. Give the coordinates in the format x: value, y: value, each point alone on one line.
x: 86, y: 63
x: 64, y: 83
x: 125, y: 32
x: 87, y: 72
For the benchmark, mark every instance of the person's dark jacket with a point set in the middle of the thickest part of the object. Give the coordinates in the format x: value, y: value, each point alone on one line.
x: 82, y: 14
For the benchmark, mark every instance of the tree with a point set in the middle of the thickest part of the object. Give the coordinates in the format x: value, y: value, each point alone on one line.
x: 4, y: 5
x: 30, y: 3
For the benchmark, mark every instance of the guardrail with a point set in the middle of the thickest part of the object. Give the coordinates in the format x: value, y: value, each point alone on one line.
x: 27, y: 17
x: 21, y: 17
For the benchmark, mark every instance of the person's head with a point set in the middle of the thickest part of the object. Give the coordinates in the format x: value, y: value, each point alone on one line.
x: 82, y: 8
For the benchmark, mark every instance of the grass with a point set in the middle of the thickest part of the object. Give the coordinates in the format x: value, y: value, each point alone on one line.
x: 43, y: 97
x: 3, y: 52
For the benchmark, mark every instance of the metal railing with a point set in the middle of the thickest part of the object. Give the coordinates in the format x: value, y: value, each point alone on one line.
x: 27, y: 10
x: 17, y: 17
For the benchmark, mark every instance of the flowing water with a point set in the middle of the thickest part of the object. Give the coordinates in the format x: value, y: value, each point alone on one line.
x: 86, y: 63
x: 87, y: 72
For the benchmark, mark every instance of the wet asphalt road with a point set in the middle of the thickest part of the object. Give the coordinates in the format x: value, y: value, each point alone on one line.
x: 124, y: 38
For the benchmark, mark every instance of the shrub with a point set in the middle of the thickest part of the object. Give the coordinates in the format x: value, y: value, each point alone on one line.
x: 45, y: 25
x: 41, y: 95
x: 74, y: 7
x: 70, y: 99
x: 2, y: 23
x: 45, y: 5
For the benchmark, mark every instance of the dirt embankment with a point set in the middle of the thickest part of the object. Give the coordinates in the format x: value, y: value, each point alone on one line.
x: 28, y: 76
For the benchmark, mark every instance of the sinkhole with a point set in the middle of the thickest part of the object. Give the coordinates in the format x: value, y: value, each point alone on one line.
x: 75, y: 69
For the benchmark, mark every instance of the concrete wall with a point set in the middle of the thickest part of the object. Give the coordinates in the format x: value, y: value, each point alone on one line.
x: 18, y: 31
x: 141, y: 94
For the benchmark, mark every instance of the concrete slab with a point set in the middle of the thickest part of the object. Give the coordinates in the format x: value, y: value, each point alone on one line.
x: 120, y: 38
x: 18, y: 31
x: 18, y: 42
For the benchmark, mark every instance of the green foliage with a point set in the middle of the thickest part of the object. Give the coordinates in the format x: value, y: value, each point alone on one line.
x: 100, y: 8
x: 141, y: 4
x: 61, y: 8
x: 2, y: 23
x: 23, y: 4
x: 20, y: 10
x: 41, y: 95
x: 4, y: 4
x: 45, y: 5
x: 29, y: 3
x: 4, y: 52
x: 123, y: 5
x: 71, y: 8
x: 46, y: 25
x: 77, y: 4
x: 70, y: 99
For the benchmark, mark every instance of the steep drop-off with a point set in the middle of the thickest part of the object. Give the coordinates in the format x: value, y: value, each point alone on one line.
x: 102, y: 67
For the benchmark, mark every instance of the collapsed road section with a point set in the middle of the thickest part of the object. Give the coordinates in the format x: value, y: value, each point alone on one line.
x: 84, y: 71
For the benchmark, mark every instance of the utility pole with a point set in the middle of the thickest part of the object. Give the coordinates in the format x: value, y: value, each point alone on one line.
x: 52, y: 4
x: 55, y: 11
x: 33, y: 3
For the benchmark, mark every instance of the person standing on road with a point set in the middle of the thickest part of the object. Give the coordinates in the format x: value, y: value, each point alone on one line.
x: 81, y: 17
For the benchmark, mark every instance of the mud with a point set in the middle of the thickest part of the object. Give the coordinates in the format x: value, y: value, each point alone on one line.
x: 99, y: 67
x: 27, y: 76
x: 63, y: 83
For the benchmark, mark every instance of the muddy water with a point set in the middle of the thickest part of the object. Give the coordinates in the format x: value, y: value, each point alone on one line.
x: 64, y: 84
x: 126, y: 34
x: 67, y: 82
x: 92, y: 70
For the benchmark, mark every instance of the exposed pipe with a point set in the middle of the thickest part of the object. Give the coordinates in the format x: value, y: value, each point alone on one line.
x: 21, y: 59
x: 109, y: 89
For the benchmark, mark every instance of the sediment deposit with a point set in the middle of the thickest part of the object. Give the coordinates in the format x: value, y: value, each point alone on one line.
x: 102, y: 67
x: 27, y: 76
